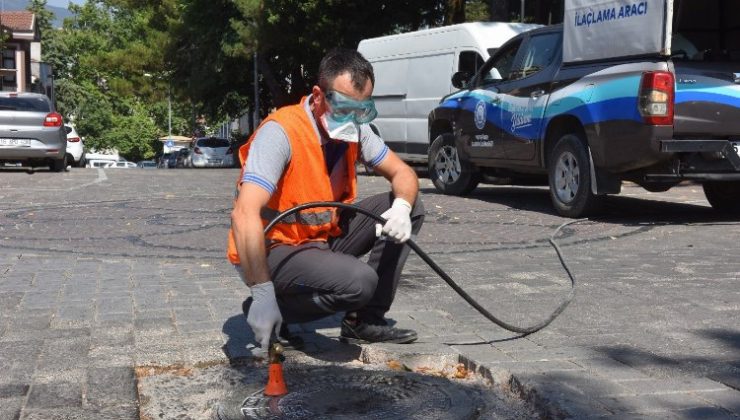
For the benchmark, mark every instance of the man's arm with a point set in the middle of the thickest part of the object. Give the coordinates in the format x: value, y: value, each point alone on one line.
x: 403, y: 179
x: 405, y: 187
x: 248, y: 234
x: 264, y: 314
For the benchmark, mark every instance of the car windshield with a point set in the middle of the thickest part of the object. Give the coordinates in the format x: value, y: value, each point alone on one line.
x: 24, y: 104
x: 213, y: 142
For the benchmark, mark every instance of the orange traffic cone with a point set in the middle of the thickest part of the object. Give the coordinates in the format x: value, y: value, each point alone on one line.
x: 275, y: 383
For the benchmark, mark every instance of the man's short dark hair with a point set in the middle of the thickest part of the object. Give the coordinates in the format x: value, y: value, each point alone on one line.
x: 341, y: 60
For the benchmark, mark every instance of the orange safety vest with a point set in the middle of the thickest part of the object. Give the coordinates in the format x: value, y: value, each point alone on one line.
x: 304, y: 180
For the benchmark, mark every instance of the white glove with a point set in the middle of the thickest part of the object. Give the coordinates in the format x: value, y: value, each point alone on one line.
x: 264, y: 315
x: 398, y: 224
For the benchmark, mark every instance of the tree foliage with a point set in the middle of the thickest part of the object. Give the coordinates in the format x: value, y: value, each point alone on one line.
x: 111, y: 78
x: 116, y: 62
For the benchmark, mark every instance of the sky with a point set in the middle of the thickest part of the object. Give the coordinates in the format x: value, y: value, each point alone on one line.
x: 63, y: 3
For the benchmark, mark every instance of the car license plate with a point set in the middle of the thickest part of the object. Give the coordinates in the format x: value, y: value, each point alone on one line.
x: 15, y: 142
x: 736, y: 146
x: 214, y: 160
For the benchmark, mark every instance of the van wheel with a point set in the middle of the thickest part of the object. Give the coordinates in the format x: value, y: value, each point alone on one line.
x: 723, y: 196
x: 570, y: 178
x: 450, y: 174
x: 59, y: 165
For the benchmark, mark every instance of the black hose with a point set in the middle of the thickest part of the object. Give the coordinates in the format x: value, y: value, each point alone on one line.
x: 423, y: 255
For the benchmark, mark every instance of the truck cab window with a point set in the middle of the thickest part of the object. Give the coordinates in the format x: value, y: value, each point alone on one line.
x: 498, y: 67
x: 470, y: 62
x: 538, y: 54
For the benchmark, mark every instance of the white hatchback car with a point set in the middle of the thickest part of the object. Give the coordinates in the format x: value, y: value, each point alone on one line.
x: 122, y: 164
x: 209, y: 152
x: 75, y: 147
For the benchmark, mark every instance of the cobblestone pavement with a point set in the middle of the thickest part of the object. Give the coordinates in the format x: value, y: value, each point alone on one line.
x: 102, y: 271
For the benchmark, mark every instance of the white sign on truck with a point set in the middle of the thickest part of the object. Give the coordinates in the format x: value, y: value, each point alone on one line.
x: 590, y: 28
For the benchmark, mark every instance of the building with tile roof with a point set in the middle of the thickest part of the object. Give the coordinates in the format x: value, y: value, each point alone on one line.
x: 21, y: 69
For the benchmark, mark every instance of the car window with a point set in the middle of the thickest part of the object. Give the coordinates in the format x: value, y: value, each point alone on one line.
x: 213, y: 142
x: 35, y: 104
x: 538, y: 53
x: 499, y: 66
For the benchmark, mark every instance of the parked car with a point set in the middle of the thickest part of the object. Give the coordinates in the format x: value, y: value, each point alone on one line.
x: 209, y: 152
x: 147, y: 164
x: 172, y: 160
x: 182, y: 158
x: 570, y: 106
x: 31, y: 131
x: 99, y: 163
x: 163, y: 160
x: 231, y: 158
x: 75, y: 147
x: 122, y: 164
x: 233, y: 153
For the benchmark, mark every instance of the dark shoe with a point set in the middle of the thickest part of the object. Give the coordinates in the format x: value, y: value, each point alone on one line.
x: 361, y: 332
x: 288, y: 339
x: 285, y: 337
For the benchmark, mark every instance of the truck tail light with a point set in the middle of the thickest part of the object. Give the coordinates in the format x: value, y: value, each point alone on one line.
x: 657, y: 92
x: 53, y: 119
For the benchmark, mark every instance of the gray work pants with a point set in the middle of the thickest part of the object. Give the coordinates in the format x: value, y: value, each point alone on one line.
x: 318, y: 279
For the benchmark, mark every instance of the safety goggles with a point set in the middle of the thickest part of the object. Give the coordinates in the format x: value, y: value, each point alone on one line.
x: 344, y: 109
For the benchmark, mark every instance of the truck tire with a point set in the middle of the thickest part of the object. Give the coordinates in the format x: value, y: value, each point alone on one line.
x: 59, y: 165
x: 723, y: 196
x: 450, y: 174
x: 569, y: 171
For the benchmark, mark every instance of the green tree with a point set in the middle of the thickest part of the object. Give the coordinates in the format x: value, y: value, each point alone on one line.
x: 101, y: 59
x: 214, y: 45
x: 44, y: 18
x: 477, y: 11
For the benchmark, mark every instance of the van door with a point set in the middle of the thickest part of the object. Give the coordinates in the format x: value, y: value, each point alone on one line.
x: 426, y: 82
x: 480, y: 122
x: 389, y: 94
x: 524, y: 95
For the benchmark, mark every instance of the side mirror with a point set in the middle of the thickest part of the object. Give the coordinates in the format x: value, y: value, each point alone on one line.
x: 460, y: 79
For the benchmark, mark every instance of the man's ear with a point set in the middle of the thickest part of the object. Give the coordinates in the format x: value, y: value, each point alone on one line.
x: 317, y: 95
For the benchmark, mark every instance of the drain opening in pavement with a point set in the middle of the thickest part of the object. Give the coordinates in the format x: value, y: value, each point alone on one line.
x: 323, y: 391
x: 340, y: 393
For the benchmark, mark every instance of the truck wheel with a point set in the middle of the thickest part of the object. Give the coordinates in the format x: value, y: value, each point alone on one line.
x: 59, y: 165
x: 450, y: 174
x: 723, y: 196
x: 570, y: 178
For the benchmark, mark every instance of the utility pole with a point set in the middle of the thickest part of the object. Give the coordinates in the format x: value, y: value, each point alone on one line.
x: 256, y: 118
x: 169, y: 110
x: 522, y: 12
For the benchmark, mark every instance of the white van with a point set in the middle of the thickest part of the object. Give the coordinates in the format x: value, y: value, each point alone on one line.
x: 413, y: 72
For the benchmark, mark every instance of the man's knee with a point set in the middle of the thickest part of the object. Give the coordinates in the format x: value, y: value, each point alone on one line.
x: 361, y: 286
